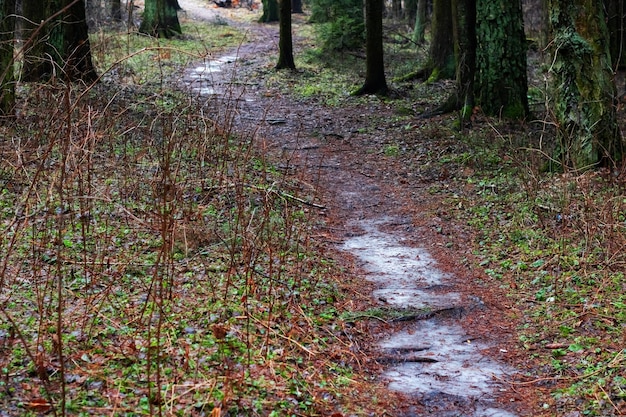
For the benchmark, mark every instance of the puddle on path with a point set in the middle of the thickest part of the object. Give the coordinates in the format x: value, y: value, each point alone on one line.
x: 437, y: 362
x: 202, y: 78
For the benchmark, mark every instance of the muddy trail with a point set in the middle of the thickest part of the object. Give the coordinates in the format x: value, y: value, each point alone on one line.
x: 449, y: 351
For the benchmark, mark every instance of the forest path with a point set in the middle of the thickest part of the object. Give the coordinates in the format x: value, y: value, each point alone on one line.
x: 447, y: 357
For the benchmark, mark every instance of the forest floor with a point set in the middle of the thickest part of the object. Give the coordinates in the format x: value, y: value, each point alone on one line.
x: 198, y: 234
x: 383, y: 218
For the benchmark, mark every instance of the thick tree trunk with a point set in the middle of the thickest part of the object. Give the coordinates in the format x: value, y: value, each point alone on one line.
x: 285, y: 44
x: 441, y: 56
x: 60, y: 48
x: 160, y: 19
x: 375, y: 82
x: 7, y: 82
x: 583, y: 93
x: 270, y: 11
x: 501, y: 81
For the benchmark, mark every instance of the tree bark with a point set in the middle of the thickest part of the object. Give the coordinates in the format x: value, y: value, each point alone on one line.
x: 616, y: 22
x: 296, y: 6
x: 583, y: 92
x: 270, y: 11
x: 285, y: 44
x: 420, y: 22
x: 375, y: 82
x: 7, y: 82
x: 59, y: 46
x: 442, y: 63
x: 116, y: 10
x: 160, y: 19
x: 501, y: 81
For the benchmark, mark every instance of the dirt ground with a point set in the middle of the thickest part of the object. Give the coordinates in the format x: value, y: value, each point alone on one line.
x: 355, y: 181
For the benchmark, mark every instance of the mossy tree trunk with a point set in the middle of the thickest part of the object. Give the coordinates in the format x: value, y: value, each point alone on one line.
x: 583, y: 92
x: 270, y: 11
x: 160, y: 19
x: 375, y: 81
x: 501, y: 84
x: 7, y: 82
x: 421, y: 21
x: 285, y: 44
x: 442, y: 63
x: 59, y: 47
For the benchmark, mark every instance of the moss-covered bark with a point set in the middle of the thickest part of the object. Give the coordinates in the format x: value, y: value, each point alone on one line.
x: 270, y: 11
x: 160, y: 19
x: 501, y: 81
x: 285, y: 43
x: 7, y: 85
x: 419, y: 29
x: 441, y: 54
x: 583, y: 91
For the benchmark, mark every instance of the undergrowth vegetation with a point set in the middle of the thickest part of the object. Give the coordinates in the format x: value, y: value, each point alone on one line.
x: 554, y: 241
x: 152, y: 262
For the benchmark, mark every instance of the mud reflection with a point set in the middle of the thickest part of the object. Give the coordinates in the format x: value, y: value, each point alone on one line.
x: 450, y: 374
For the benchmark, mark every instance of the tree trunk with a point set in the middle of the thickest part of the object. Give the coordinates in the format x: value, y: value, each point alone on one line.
x: 296, y: 6
x: 616, y: 22
x: 396, y: 9
x: 34, y: 66
x: 583, y: 91
x: 465, y: 51
x: 375, y: 82
x: 7, y: 82
x: 160, y: 19
x: 116, y: 10
x: 442, y: 63
x: 501, y: 81
x: 60, y: 46
x: 410, y: 8
x: 420, y: 22
x: 270, y: 11
x: 285, y: 44
x: 76, y: 46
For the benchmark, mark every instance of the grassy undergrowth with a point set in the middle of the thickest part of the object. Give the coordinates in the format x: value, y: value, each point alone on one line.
x: 154, y: 264
x: 555, y: 242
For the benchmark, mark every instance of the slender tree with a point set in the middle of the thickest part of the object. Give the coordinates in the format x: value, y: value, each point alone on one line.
x: 419, y: 29
x: 583, y: 92
x: 285, y: 43
x: 7, y: 85
x: 160, y: 19
x: 375, y: 82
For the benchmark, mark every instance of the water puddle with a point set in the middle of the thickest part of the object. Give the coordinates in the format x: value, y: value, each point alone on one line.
x: 434, y: 359
x: 202, y: 78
